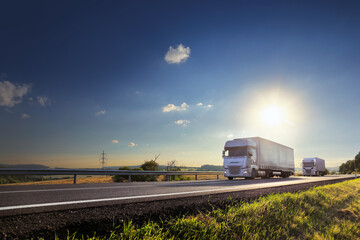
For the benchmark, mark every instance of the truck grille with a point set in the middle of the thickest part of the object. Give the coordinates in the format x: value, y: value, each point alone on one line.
x: 234, y: 170
x: 307, y: 172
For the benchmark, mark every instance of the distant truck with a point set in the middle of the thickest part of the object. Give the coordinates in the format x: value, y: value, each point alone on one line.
x: 257, y: 157
x: 313, y: 167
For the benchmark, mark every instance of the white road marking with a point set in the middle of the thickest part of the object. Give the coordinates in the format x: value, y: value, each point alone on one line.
x: 261, y: 185
x: 255, y: 186
x: 97, y: 188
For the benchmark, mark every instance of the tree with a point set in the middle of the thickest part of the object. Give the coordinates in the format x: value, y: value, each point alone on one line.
x: 150, y: 165
x: 121, y: 178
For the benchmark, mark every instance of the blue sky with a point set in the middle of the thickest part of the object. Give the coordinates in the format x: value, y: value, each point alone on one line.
x: 141, y: 78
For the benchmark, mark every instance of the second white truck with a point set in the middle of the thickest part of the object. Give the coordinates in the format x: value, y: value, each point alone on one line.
x: 257, y: 157
x: 313, y: 167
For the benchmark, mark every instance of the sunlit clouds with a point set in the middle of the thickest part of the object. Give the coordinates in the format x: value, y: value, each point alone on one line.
x: 183, y: 123
x: 12, y: 94
x: 172, y: 107
x: 115, y: 141
x: 43, y: 101
x: 132, y: 144
x: 178, y: 54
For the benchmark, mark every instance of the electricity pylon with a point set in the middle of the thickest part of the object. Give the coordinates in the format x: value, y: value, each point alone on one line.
x: 103, y: 159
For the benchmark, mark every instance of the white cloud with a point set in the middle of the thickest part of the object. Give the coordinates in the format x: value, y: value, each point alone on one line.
x: 11, y: 94
x: 138, y: 93
x: 132, y: 144
x: 230, y: 135
x: 172, y: 107
x: 43, y: 101
x: 115, y: 141
x: 25, y: 116
x: 102, y: 112
x: 200, y: 104
x: 178, y: 54
x: 183, y: 123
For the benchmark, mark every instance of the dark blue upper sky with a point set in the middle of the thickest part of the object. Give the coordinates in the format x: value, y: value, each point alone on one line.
x: 77, y: 77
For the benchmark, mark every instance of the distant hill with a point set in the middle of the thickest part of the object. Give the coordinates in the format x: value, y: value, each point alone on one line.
x: 29, y: 166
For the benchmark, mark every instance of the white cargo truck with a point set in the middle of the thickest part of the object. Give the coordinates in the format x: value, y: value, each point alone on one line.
x: 257, y: 157
x: 313, y: 167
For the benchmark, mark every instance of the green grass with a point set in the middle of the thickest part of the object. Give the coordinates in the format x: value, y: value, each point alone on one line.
x: 327, y: 212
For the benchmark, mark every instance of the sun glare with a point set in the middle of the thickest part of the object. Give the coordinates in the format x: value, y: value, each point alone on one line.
x: 273, y: 115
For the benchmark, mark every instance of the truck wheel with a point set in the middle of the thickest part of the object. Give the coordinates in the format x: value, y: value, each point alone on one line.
x: 284, y: 175
x: 230, y: 178
x: 267, y: 174
x: 253, y: 174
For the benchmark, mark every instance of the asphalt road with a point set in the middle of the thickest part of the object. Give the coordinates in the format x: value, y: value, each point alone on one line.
x: 38, y: 198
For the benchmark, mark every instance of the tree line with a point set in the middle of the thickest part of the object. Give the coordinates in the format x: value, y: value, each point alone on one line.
x: 351, y: 165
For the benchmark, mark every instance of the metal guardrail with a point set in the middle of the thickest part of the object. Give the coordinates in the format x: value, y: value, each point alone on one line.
x: 75, y: 172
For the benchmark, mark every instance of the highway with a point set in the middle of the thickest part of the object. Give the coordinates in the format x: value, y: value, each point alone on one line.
x: 19, y: 199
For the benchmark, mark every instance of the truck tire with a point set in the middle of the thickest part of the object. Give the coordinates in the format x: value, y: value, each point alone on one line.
x: 253, y: 174
x: 285, y: 175
x: 267, y: 174
x: 230, y: 178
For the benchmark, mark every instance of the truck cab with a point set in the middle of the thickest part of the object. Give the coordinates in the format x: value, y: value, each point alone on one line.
x: 313, y: 167
x: 240, y: 159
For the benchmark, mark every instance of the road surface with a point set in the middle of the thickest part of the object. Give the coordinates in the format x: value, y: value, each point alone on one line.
x: 16, y: 200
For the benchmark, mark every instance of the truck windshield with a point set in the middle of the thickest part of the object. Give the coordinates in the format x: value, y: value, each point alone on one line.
x: 236, y: 151
x: 308, y: 164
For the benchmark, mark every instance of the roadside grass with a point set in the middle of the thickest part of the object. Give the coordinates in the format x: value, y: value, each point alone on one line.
x: 326, y: 212
x: 103, y: 179
x: 70, y: 180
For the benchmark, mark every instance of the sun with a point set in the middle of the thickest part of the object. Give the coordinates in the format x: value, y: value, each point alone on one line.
x: 272, y: 115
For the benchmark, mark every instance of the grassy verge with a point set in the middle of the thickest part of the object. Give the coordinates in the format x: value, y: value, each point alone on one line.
x: 327, y: 212
x: 103, y: 179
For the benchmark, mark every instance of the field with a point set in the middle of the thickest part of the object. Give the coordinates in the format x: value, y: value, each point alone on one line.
x: 102, y: 179
x: 327, y: 212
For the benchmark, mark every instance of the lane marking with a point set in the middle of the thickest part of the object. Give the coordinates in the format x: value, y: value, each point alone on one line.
x: 246, y: 187
x: 260, y: 185
x: 97, y: 188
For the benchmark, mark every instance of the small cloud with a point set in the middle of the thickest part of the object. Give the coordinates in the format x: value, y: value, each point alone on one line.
x: 230, y: 135
x: 25, y: 116
x: 178, y: 54
x: 102, y: 112
x: 172, y: 107
x: 115, y: 141
x: 132, y: 144
x: 43, y: 101
x: 11, y: 94
x: 138, y: 93
x: 209, y: 106
x: 199, y: 104
x: 183, y: 123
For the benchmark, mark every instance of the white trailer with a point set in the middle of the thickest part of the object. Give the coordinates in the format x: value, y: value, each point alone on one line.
x: 313, y: 167
x: 257, y: 157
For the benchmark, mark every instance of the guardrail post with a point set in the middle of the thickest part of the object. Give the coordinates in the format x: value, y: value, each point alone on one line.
x: 74, y: 178
x: 129, y: 178
x: 195, y: 177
